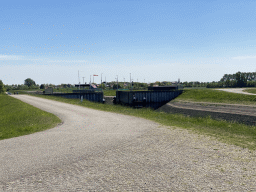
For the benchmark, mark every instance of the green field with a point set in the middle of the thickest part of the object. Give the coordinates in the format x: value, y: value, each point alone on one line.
x: 232, y: 133
x: 18, y: 118
x: 251, y: 90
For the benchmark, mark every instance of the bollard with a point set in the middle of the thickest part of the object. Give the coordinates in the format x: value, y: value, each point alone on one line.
x: 144, y: 101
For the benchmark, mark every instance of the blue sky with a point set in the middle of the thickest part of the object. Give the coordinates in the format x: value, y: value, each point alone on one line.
x: 49, y: 41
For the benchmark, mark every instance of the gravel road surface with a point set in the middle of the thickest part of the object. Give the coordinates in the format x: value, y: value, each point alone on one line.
x: 102, y: 151
x: 236, y: 90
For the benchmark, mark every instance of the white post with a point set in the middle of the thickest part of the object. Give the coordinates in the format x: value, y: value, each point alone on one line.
x: 130, y: 81
x: 79, y: 79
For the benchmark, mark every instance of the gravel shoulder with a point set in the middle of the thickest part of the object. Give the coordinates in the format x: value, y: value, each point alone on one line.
x: 102, y: 151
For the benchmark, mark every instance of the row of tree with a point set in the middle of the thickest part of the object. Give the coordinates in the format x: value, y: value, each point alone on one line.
x: 235, y: 80
x: 228, y: 80
x: 247, y: 76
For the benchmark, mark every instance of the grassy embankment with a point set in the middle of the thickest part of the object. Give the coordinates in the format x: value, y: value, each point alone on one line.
x: 18, y: 118
x: 250, y: 90
x: 232, y: 133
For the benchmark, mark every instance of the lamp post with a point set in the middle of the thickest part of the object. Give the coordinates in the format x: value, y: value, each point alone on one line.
x: 130, y: 80
x: 79, y: 80
x: 117, y: 81
x: 101, y: 78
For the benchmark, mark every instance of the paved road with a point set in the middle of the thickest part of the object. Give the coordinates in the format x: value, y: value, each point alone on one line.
x: 236, y: 90
x: 102, y: 151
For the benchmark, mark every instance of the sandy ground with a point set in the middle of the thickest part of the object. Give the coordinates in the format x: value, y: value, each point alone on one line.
x: 102, y: 151
x: 236, y: 90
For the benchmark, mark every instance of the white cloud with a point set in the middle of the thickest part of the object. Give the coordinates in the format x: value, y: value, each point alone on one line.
x: 67, y: 61
x: 11, y: 57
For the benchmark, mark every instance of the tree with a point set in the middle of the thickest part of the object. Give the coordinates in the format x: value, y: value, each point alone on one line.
x: 42, y: 86
x: 240, y: 79
x: 2, y: 88
x: 29, y: 82
x: 102, y: 86
x: 119, y: 86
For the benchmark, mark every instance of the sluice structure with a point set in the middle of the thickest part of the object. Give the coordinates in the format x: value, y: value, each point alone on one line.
x: 155, y: 98
x: 90, y: 96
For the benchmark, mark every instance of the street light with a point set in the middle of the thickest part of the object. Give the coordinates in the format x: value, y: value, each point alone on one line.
x: 101, y: 78
x: 117, y: 82
x: 130, y: 80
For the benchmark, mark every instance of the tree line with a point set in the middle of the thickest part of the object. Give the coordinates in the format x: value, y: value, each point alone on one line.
x: 238, y: 79
x: 235, y: 80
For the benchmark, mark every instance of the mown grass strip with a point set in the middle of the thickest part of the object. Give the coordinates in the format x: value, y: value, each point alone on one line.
x: 232, y: 133
x: 18, y: 118
x: 216, y: 96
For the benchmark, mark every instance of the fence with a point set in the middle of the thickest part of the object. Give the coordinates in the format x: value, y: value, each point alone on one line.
x: 126, y: 97
x: 94, y: 96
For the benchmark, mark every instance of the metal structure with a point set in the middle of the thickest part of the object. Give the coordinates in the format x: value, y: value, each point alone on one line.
x: 90, y: 96
x: 154, y: 98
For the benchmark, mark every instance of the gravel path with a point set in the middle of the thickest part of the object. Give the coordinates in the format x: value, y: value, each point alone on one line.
x: 236, y: 90
x: 102, y: 151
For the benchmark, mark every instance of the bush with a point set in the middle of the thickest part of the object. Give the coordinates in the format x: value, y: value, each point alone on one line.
x: 2, y: 88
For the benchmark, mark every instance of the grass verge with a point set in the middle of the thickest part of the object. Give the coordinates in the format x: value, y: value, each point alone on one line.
x: 251, y: 90
x: 232, y: 133
x: 215, y: 96
x: 18, y: 118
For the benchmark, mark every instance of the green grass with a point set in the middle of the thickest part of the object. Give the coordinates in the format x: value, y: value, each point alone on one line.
x: 109, y: 92
x: 250, y: 90
x: 64, y: 90
x: 215, y: 96
x: 232, y: 133
x: 113, y: 92
x: 18, y: 118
